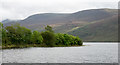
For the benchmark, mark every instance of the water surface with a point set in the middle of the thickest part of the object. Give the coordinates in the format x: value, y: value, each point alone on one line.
x: 91, y: 53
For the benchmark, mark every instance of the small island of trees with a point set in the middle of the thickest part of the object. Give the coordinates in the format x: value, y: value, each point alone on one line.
x: 16, y: 36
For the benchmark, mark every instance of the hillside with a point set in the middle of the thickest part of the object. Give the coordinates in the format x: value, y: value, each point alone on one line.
x: 102, y: 30
x: 89, y: 25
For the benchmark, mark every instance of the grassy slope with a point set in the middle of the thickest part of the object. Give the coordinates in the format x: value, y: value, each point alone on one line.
x: 65, y: 28
x: 103, y: 30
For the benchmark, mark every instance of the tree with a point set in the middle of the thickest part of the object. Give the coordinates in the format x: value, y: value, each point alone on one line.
x: 1, y: 25
x: 27, y: 35
x: 18, y: 36
x: 67, y: 40
x: 48, y: 38
x: 60, y: 40
x: 49, y: 28
x: 36, y: 37
x: 10, y: 31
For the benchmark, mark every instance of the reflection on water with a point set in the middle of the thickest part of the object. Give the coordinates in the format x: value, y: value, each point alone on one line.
x: 91, y: 53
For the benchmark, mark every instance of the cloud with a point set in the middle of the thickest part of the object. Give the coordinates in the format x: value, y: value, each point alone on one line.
x: 20, y: 9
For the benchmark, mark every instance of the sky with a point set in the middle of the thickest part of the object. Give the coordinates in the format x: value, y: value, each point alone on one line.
x: 21, y: 9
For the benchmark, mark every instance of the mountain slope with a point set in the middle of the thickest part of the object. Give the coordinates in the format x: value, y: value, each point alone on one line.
x: 93, y: 15
x: 90, y: 25
x: 103, y: 30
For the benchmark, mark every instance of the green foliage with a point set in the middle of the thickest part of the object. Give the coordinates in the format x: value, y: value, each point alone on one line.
x: 67, y: 40
x: 49, y: 28
x: 19, y: 36
x: 49, y: 38
x: 36, y: 37
x: 1, y: 25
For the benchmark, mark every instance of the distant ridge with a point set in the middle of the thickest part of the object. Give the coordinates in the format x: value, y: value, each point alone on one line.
x: 90, y: 25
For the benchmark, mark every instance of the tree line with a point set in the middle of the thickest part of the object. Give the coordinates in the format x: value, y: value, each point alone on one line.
x: 16, y: 36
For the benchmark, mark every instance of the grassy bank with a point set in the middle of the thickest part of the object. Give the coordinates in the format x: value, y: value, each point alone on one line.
x: 35, y: 45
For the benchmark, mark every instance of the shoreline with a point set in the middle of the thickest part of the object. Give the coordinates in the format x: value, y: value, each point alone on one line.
x: 45, y: 46
x: 28, y: 46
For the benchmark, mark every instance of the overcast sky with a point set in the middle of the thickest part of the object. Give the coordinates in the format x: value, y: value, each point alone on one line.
x: 20, y: 9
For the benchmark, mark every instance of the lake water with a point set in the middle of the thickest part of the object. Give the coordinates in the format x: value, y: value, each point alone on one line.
x: 91, y: 53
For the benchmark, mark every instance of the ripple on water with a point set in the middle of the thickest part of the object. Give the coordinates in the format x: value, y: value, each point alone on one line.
x: 91, y: 53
